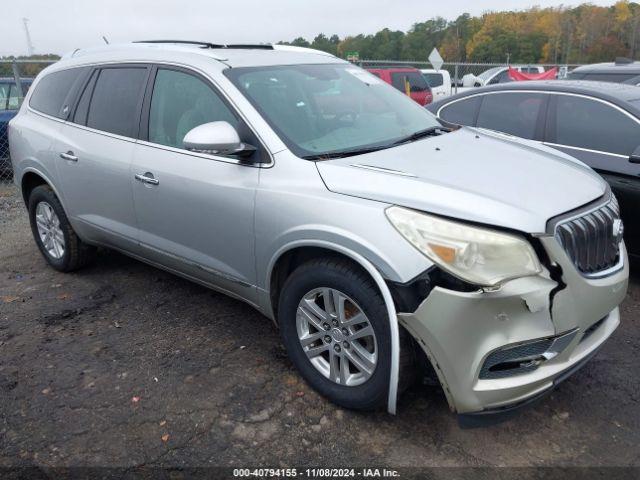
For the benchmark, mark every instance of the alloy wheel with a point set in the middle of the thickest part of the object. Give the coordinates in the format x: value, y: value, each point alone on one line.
x: 337, y: 336
x: 49, y: 230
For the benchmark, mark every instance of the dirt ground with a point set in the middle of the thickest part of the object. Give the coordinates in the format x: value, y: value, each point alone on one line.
x: 125, y: 365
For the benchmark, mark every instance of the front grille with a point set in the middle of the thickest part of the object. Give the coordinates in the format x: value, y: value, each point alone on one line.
x: 592, y: 241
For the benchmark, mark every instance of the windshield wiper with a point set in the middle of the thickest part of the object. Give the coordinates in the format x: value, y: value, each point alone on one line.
x: 346, y: 153
x: 427, y: 132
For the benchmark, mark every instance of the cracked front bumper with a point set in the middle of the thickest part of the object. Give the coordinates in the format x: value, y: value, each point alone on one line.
x: 459, y: 330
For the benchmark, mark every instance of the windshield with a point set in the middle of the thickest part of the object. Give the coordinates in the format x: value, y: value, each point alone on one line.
x: 323, y: 109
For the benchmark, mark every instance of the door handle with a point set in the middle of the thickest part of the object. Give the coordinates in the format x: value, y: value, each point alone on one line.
x: 69, y: 156
x: 144, y: 179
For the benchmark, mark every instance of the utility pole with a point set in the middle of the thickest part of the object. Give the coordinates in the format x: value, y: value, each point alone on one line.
x: 30, y: 48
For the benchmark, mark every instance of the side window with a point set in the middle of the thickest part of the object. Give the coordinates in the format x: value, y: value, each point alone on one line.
x: 116, y: 99
x: 609, y: 77
x: 15, y: 98
x: 502, y: 77
x: 512, y: 113
x: 4, y: 95
x: 181, y: 102
x: 462, y: 112
x: 433, y: 79
x: 82, y: 109
x: 51, y: 95
x: 585, y: 123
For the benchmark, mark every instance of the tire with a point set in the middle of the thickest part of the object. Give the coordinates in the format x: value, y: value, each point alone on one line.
x: 360, y: 290
x: 74, y: 253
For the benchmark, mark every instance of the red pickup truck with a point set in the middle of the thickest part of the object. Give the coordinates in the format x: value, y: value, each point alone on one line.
x: 407, y: 80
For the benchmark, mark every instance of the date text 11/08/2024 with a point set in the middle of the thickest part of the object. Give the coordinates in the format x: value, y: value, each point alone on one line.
x: 315, y: 472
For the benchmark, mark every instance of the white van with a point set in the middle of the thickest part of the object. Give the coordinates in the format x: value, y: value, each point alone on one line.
x: 439, y: 81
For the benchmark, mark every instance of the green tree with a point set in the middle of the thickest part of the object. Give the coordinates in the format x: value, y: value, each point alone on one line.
x: 585, y: 33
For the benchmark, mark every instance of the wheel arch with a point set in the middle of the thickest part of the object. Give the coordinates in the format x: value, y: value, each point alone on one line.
x: 32, y: 178
x: 284, y: 261
x: 295, y: 256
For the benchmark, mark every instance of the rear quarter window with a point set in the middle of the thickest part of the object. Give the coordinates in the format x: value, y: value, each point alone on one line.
x: 462, y: 112
x: 53, y: 94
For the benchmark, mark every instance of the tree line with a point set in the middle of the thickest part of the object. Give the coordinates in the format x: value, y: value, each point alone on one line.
x: 26, y: 69
x: 557, y: 35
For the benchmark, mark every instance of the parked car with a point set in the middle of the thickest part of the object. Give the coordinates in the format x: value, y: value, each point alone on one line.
x: 495, y: 75
x: 336, y: 206
x: 9, y: 104
x: 439, y: 81
x: 406, y: 80
x: 596, y: 122
x: 621, y: 71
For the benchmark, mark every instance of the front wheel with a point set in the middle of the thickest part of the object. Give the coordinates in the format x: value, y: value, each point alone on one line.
x: 335, y: 327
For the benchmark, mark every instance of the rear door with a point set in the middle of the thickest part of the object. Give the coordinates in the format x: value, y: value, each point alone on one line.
x: 603, y: 136
x: 196, y: 216
x: 95, y: 151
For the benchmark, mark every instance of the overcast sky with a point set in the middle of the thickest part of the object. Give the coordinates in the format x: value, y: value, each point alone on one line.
x: 58, y: 26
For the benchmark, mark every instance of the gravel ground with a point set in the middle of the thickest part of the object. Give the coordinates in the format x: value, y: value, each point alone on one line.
x: 124, y: 365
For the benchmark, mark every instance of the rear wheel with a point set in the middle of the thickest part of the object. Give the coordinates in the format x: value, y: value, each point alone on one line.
x: 53, y: 233
x: 335, y: 327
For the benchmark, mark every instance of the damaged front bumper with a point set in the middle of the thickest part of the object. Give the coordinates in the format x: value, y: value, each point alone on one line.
x: 496, y: 349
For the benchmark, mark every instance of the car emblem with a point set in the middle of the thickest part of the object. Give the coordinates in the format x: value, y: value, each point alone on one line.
x: 618, y: 230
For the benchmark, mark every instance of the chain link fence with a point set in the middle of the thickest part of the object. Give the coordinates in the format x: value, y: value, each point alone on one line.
x: 22, y: 72
x: 458, y: 71
x: 15, y: 79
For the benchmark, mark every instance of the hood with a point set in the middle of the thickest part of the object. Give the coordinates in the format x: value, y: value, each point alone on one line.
x: 473, y: 175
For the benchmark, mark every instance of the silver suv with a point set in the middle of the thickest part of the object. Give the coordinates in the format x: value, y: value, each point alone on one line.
x: 374, y: 236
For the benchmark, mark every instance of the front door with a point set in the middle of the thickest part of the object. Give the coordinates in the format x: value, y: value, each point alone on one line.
x: 194, y: 211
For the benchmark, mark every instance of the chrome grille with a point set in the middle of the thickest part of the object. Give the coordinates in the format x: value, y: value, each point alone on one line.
x: 592, y: 241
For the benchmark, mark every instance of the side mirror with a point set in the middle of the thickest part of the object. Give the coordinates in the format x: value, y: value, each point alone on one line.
x: 218, y: 138
x: 635, y: 156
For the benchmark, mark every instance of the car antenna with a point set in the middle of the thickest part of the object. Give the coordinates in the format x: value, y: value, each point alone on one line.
x: 105, y: 40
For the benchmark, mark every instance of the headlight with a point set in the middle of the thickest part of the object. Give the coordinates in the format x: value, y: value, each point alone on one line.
x: 476, y: 255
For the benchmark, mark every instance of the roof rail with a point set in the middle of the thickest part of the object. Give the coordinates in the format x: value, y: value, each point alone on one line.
x: 212, y: 45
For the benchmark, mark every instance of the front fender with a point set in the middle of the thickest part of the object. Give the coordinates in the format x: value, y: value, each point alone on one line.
x: 331, y: 238
x: 384, y: 290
